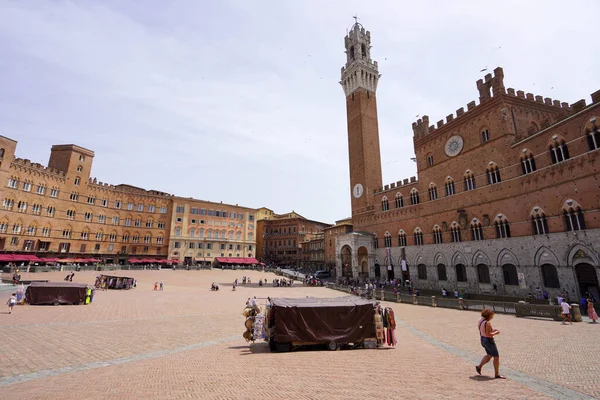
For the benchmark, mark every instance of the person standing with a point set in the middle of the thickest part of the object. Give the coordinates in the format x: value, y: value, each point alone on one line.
x: 161, y: 286
x: 11, y: 302
x: 486, y: 334
x: 591, y: 311
x: 566, y: 312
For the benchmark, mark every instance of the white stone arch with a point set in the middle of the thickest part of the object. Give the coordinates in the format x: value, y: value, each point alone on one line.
x: 439, y: 258
x: 507, y: 257
x: 589, y: 258
x: 481, y: 258
x: 545, y: 256
x: 459, y: 258
x: 419, y: 259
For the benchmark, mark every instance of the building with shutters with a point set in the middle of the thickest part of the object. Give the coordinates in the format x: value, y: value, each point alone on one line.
x: 60, y: 211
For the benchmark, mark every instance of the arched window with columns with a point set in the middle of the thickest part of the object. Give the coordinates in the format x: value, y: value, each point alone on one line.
x: 592, y: 134
x: 527, y: 162
x: 432, y: 191
x: 399, y: 200
x: 502, y: 227
x: 455, y: 232
x: 414, y: 197
x: 387, y: 239
x: 469, y: 180
x: 437, y: 235
x: 476, y: 230
x: 449, y: 186
x: 385, y: 205
x: 418, y: 234
x: 401, y: 238
x: 539, y: 223
x: 493, y: 173
x: 558, y: 149
x: 573, y: 216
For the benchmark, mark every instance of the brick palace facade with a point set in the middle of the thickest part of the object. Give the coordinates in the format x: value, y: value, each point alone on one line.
x: 507, y: 195
x: 60, y: 211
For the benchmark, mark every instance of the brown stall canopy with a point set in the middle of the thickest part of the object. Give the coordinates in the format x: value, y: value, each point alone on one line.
x: 40, y: 293
x: 342, y: 320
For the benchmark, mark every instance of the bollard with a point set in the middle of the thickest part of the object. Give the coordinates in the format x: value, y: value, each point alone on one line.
x: 398, y: 298
x: 575, y: 313
x: 382, y: 295
x: 415, y: 300
x: 433, y: 301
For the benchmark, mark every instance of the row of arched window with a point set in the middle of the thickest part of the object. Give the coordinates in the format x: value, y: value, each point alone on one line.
x: 558, y: 151
x: 509, y: 274
x: 210, y: 234
x: 67, y: 232
x: 572, y: 215
x: 15, y: 182
x: 71, y: 213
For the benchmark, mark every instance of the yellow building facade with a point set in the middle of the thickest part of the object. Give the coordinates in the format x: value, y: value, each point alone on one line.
x: 202, y: 231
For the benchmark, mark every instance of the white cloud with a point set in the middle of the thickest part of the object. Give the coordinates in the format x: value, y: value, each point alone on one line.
x: 240, y: 102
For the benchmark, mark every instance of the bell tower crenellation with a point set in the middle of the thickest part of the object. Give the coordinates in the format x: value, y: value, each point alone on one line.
x: 360, y: 70
x: 360, y: 76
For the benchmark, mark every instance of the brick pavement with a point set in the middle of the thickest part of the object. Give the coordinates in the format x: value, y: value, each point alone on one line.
x: 186, y: 342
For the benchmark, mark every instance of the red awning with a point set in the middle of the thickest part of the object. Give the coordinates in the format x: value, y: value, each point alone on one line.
x: 237, y: 260
x: 19, y: 257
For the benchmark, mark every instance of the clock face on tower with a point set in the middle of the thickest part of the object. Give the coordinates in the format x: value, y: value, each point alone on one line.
x: 454, y: 145
x: 357, y: 191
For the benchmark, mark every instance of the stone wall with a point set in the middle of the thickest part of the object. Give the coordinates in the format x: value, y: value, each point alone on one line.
x: 563, y: 250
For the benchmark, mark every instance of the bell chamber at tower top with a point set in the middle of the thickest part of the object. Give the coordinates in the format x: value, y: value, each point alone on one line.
x: 360, y: 70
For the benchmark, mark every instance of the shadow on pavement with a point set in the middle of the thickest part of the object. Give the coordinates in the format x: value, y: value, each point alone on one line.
x: 481, y: 378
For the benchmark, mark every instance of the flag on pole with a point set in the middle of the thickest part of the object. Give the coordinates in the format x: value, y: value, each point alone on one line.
x: 388, y: 253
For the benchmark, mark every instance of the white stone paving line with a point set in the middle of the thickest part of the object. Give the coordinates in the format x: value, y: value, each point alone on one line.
x: 548, y: 388
x: 11, y: 380
x: 108, y: 320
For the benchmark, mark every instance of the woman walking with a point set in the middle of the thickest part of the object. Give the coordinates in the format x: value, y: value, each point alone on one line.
x: 487, y: 333
x: 591, y: 311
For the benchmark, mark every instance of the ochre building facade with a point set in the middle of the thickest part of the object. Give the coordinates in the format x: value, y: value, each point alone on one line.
x: 202, y: 231
x: 506, y: 200
x: 331, y: 233
x: 60, y: 211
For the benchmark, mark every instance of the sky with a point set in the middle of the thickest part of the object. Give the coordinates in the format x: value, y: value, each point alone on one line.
x: 240, y: 101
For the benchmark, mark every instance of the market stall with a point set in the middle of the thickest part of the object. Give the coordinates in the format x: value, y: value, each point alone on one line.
x: 114, y: 282
x: 288, y: 323
x: 55, y: 293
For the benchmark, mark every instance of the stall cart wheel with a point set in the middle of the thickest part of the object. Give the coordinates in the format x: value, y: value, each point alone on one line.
x: 272, y: 344
x: 332, y: 346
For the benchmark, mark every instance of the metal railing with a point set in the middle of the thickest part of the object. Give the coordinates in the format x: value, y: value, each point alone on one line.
x: 503, y: 307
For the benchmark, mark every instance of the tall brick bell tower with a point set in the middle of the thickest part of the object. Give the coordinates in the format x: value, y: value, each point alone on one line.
x: 359, y: 80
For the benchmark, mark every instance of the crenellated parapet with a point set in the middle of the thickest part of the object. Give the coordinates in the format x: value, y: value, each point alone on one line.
x: 25, y: 165
x: 491, y: 87
x: 412, y: 181
x: 103, y: 187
